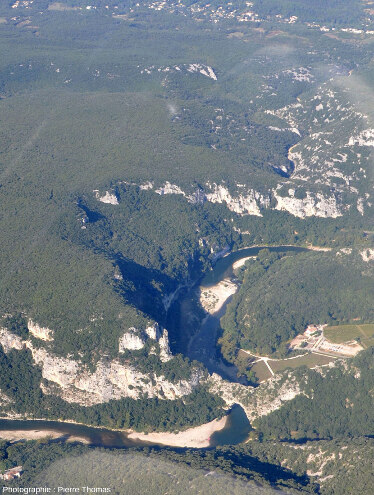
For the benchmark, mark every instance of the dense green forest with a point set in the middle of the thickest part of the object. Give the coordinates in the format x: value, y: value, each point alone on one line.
x: 279, y: 298
x: 348, y: 469
x: 152, y: 471
x: 335, y: 404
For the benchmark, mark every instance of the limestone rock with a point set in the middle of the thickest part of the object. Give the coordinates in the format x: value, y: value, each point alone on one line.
x: 10, y: 341
x: 165, y: 353
x: 39, y: 332
x: 131, y: 340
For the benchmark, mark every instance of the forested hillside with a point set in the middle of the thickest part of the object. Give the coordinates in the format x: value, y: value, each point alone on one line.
x: 140, y: 142
x: 279, y: 298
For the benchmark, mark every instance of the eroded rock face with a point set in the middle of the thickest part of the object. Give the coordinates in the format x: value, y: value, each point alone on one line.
x: 4, y: 399
x: 134, y: 339
x: 111, y: 380
x: 364, y: 138
x: 39, y: 332
x: 248, y: 202
x: 313, y: 205
x: 10, y: 341
x: 169, y: 188
x: 260, y: 401
x: 131, y: 340
x: 73, y: 382
x: 165, y: 353
x: 153, y: 331
x: 108, y: 197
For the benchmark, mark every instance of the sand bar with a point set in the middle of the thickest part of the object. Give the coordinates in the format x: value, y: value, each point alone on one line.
x: 198, y: 437
x: 213, y: 298
x: 18, y: 435
x: 241, y: 262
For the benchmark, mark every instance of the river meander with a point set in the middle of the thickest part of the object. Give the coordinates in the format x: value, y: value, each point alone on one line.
x: 202, y: 346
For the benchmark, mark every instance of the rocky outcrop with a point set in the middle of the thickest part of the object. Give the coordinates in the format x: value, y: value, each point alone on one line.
x: 42, y: 333
x: 246, y: 203
x: 75, y: 383
x: 169, y: 188
x: 165, y: 353
x: 4, y: 399
x: 135, y: 339
x: 131, y: 340
x: 195, y: 68
x: 259, y: 401
x: 364, y: 138
x: 109, y: 197
x: 153, y: 331
x: 10, y: 341
x: 110, y: 380
x: 314, y: 204
x: 367, y: 255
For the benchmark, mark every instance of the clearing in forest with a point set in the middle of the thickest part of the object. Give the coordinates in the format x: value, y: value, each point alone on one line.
x: 344, y: 333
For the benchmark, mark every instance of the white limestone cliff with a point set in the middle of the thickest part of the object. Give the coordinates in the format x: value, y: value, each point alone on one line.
x: 108, y: 197
x: 75, y: 383
x: 153, y: 331
x: 260, y: 401
x: 165, y: 353
x: 42, y: 333
x: 131, y: 340
x: 10, y: 341
x: 315, y: 204
x: 246, y: 203
x: 169, y: 188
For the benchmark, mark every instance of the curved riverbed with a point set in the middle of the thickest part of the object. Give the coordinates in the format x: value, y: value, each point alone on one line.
x: 224, y: 266
x: 201, y: 345
x: 232, y: 429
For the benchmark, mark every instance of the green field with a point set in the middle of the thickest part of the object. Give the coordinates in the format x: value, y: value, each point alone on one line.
x: 344, y: 333
x: 309, y: 360
x: 261, y: 371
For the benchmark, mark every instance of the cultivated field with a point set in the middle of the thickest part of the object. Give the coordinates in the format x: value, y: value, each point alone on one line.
x: 311, y: 360
x: 344, y: 333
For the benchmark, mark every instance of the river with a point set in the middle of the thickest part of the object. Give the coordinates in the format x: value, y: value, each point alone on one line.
x: 235, y: 431
x: 200, y: 345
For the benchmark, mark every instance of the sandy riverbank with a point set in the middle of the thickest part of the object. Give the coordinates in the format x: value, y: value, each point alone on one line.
x: 198, y: 437
x: 213, y: 298
x: 319, y: 248
x: 19, y: 435
x: 241, y: 262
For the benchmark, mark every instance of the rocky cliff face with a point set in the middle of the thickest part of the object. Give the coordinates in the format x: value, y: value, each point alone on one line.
x: 259, y: 401
x: 135, y: 339
x: 315, y: 204
x: 112, y: 379
x: 39, y: 332
x: 248, y: 201
x: 10, y: 341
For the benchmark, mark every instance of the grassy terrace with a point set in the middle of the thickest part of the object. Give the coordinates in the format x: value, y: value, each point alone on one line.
x: 310, y: 360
